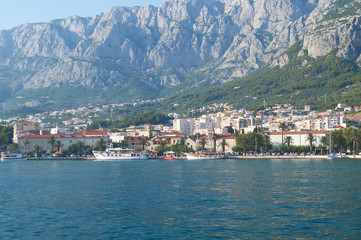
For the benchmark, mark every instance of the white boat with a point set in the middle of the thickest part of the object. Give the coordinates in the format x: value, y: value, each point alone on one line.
x: 119, y: 154
x: 204, y: 156
x: 12, y: 156
x: 332, y: 156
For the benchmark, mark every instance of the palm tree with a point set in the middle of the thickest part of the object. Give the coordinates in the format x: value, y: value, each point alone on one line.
x: 311, y: 139
x: 162, y: 145
x: 37, y: 150
x: 26, y: 143
x: 223, y: 144
x: 242, y: 141
x: 143, y: 142
x: 288, y: 141
x: 324, y: 143
x: 203, y: 143
x: 51, y: 141
x: 182, y: 144
x: 283, y: 127
x: 266, y: 141
x: 352, y: 136
x: 58, y: 145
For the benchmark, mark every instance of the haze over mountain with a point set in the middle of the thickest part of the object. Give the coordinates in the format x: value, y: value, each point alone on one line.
x: 183, y: 45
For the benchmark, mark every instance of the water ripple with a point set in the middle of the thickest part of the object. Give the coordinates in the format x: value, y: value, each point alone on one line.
x: 246, y: 199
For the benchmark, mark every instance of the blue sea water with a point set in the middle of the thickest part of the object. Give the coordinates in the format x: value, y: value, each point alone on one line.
x: 225, y: 199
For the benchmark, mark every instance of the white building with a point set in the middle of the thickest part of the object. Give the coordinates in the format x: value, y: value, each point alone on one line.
x: 299, y: 138
x: 185, y: 126
x: 332, y: 121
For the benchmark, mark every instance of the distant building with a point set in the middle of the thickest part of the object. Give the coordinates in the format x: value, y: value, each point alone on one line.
x: 308, y: 108
x: 340, y: 106
x: 230, y: 141
x: 185, y: 126
x: 22, y: 128
x: 299, y: 138
x: 170, y: 139
x: 86, y: 137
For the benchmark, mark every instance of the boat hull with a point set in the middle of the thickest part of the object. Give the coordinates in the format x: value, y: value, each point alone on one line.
x: 203, y: 157
x: 105, y: 156
x: 331, y: 156
x: 13, y: 157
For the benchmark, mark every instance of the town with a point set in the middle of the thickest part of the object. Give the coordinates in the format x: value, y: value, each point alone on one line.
x: 281, y: 128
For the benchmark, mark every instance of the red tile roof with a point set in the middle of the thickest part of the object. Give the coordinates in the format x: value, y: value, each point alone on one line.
x: 95, y: 132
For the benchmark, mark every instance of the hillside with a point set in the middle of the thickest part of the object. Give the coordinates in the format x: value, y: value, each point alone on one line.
x: 183, y: 46
x: 322, y: 83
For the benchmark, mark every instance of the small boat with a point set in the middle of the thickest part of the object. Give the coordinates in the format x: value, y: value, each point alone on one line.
x: 167, y: 156
x: 203, y: 156
x: 332, y: 156
x: 119, y: 154
x: 12, y: 156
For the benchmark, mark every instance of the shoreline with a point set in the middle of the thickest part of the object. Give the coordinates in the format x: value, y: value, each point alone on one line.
x: 306, y: 157
x: 295, y: 157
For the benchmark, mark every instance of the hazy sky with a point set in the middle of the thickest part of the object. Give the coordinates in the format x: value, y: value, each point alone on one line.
x: 17, y: 12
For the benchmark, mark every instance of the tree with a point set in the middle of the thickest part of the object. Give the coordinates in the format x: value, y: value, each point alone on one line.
x: 143, y: 142
x: 283, y: 127
x: 288, y: 142
x: 100, y: 145
x: 37, y: 150
x: 58, y: 145
x: 182, y: 144
x: 202, y: 143
x: 242, y: 141
x: 76, y: 148
x: 80, y: 147
x: 339, y: 141
x: 311, y: 139
x: 14, y: 147
x: 324, y: 143
x: 352, y: 136
x: 51, y: 141
x: 25, y: 143
x: 162, y: 145
x: 266, y: 141
x: 223, y: 144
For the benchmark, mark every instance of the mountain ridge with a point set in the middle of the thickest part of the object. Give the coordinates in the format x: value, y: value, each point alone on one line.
x: 178, y: 46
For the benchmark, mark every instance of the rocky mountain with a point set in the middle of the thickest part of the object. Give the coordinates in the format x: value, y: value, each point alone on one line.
x: 147, y: 52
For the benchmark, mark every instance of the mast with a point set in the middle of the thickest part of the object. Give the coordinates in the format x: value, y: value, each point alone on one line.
x: 329, y: 143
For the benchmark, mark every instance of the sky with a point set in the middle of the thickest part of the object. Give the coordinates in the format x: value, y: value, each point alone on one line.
x: 17, y: 12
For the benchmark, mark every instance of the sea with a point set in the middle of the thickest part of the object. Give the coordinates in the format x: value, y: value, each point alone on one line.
x: 206, y: 199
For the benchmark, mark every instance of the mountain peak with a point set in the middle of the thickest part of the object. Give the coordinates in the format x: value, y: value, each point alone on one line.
x: 168, y: 46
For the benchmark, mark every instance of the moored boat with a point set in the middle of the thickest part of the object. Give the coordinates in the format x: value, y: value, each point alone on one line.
x: 204, y: 156
x: 167, y: 156
x: 12, y: 156
x: 332, y: 156
x: 119, y: 154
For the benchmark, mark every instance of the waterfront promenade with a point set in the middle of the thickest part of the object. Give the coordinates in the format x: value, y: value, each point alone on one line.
x: 295, y: 157
x: 310, y: 157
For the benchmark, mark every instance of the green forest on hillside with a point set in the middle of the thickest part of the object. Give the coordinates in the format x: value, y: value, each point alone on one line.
x: 320, y: 82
